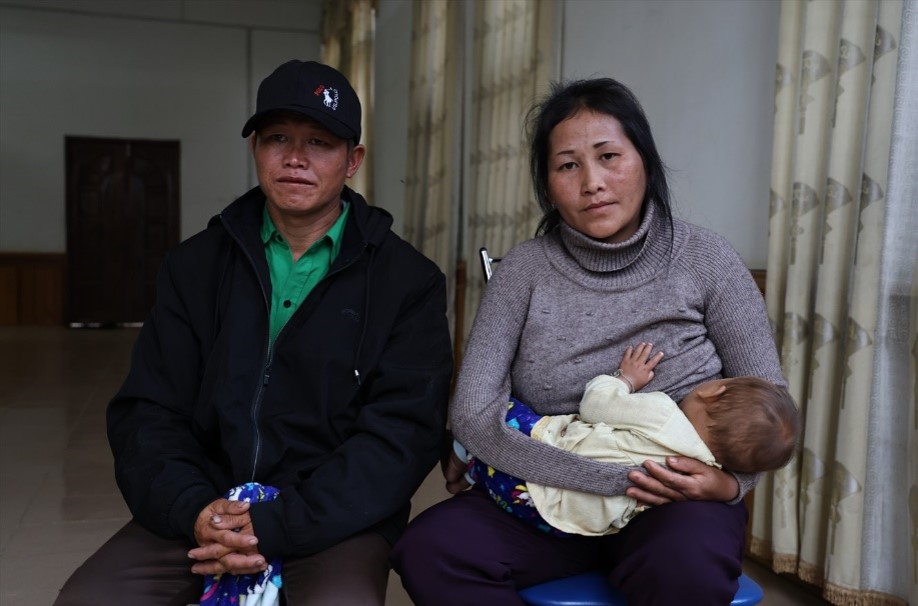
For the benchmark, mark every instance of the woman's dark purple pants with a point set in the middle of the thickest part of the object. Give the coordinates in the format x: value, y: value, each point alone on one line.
x: 468, y: 551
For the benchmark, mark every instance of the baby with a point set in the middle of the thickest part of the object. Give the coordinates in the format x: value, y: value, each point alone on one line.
x: 743, y: 424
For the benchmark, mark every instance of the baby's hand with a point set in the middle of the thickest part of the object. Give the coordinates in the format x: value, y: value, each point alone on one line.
x: 637, y: 365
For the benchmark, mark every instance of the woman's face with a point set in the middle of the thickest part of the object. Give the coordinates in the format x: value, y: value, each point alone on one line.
x: 596, y: 176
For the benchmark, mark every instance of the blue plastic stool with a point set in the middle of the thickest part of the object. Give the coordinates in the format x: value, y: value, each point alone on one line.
x: 592, y: 589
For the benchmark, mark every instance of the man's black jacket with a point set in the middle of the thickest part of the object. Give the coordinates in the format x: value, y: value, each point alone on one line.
x: 345, y: 413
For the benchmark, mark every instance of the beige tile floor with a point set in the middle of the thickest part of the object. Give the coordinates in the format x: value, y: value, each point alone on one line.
x: 58, y: 499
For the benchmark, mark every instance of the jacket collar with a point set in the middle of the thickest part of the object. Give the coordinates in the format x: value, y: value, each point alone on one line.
x: 372, y: 222
x: 365, y: 230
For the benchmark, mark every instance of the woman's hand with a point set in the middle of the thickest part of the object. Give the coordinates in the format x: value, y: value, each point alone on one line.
x: 684, y: 479
x: 454, y: 473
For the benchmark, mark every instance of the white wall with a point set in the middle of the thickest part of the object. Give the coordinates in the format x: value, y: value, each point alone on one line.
x: 188, y: 70
x: 704, y: 72
x: 170, y: 69
x: 703, y: 69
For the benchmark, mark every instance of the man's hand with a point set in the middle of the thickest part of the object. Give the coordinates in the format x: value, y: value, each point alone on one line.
x: 226, y: 539
x: 685, y: 479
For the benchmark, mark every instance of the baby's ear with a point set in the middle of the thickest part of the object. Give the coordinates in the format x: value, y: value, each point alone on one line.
x: 711, y: 391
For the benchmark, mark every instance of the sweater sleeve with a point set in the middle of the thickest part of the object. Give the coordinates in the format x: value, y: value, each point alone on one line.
x: 484, y: 384
x: 736, y: 319
x: 735, y: 314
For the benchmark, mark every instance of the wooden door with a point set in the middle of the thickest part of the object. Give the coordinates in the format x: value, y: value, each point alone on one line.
x: 122, y: 216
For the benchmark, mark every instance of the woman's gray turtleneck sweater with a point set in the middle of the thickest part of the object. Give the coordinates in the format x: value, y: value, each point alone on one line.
x: 563, y: 307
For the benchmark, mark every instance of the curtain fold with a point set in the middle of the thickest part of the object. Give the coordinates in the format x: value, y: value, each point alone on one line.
x: 348, y: 32
x: 468, y: 181
x: 835, y: 516
x: 892, y: 474
x: 434, y: 122
x: 511, y: 65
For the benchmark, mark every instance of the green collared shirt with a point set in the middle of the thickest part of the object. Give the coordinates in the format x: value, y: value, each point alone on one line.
x: 292, y: 282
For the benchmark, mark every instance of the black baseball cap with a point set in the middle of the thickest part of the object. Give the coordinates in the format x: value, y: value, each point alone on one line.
x: 313, y: 89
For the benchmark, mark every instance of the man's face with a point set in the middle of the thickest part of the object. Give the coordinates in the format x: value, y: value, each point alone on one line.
x: 302, y: 166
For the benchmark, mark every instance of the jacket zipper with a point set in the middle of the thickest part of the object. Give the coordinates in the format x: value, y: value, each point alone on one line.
x: 266, y: 372
x: 265, y: 379
x: 266, y: 364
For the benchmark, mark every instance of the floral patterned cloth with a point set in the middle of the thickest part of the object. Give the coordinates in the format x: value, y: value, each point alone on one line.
x: 509, y: 492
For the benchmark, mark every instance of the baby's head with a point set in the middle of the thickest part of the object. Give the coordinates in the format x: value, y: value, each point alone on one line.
x: 749, y: 424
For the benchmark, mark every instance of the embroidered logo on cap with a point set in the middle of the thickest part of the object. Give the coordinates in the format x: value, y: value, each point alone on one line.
x: 330, y: 96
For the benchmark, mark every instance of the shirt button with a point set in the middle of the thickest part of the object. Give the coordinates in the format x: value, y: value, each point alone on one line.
x: 287, y: 303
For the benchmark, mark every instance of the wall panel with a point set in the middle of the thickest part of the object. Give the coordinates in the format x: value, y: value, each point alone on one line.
x: 32, y: 289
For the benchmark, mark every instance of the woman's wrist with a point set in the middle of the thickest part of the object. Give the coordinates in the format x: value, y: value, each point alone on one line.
x: 732, y: 487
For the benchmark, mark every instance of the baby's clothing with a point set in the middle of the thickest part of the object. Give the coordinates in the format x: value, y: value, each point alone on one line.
x: 613, y: 426
x: 509, y: 492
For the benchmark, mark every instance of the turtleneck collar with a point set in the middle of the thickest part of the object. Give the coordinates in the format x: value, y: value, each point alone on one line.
x: 638, y: 257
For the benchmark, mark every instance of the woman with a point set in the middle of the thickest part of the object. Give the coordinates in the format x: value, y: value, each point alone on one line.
x: 610, y: 267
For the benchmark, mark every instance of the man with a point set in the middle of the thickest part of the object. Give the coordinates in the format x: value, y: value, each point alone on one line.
x: 297, y: 343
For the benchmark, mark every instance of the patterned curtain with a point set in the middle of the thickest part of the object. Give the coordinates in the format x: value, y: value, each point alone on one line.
x: 434, y: 119
x: 348, y: 28
x: 513, y: 43
x: 843, y: 300
x: 468, y: 183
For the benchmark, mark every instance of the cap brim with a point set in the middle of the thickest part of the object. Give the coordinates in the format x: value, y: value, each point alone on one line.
x: 334, y: 126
